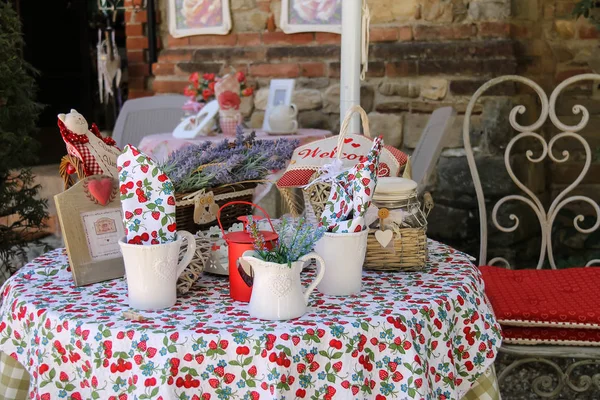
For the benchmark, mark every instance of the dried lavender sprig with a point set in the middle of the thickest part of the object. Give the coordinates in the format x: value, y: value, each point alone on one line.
x: 258, y: 159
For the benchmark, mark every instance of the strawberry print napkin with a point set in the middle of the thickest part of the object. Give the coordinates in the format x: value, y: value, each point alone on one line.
x: 352, y: 193
x: 147, y: 198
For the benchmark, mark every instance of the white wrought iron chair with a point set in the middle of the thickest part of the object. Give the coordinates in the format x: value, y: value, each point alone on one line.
x: 147, y: 116
x: 540, y: 353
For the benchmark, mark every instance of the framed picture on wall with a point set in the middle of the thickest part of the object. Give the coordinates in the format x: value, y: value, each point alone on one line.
x: 311, y: 16
x: 280, y: 93
x: 199, y: 17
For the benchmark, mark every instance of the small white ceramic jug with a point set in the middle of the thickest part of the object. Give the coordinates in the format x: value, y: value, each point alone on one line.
x: 282, y: 119
x: 344, y: 254
x: 152, y: 271
x: 277, y: 290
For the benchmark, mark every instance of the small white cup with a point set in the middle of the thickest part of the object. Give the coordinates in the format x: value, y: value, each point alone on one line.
x: 152, y: 271
x: 344, y: 255
x: 282, y: 119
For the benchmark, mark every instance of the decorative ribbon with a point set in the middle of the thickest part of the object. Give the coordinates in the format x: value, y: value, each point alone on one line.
x: 366, y: 22
x: 328, y: 173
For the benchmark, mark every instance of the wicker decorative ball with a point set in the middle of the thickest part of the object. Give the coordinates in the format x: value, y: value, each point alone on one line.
x: 195, y: 268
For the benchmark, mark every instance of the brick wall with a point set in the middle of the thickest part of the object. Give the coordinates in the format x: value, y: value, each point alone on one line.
x: 424, y: 54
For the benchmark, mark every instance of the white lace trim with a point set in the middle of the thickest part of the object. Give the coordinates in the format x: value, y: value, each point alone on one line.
x: 530, y: 323
x: 223, y: 196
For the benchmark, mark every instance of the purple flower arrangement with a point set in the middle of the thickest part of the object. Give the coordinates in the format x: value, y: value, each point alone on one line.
x: 214, y: 164
x: 296, y: 238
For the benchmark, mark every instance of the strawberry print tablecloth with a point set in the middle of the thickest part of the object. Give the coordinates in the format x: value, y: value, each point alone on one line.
x: 426, y: 335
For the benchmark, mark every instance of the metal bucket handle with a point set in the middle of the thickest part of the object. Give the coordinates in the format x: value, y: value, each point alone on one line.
x: 246, y: 203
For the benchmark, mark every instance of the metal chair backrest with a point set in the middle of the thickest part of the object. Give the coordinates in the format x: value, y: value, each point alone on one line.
x: 147, y: 116
x: 545, y: 215
x: 425, y: 157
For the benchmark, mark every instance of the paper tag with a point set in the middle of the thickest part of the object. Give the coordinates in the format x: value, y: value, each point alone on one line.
x: 105, y: 155
x: 391, y: 248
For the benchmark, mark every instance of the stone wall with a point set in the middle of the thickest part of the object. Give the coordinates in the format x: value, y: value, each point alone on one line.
x: 424, y: 54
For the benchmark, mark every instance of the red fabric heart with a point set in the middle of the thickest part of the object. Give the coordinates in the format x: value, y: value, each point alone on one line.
x: 347, y: 140
x: 355, y: 145
x: 101, y: 189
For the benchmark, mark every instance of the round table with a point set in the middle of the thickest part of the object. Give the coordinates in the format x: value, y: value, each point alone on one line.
x: 407, y: 335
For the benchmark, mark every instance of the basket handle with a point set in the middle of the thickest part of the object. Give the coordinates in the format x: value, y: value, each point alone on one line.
x: 346, y: 124
x: 246, y: 203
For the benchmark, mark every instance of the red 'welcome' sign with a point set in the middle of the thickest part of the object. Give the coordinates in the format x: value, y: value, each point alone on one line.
x: 309, y: 158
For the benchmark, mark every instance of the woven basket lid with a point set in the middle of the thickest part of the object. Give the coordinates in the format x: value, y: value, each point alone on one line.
x: 389, y: 188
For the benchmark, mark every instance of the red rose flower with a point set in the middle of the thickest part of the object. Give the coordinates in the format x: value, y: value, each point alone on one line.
x: 207, y: 93
x: 189, y: 92
x: 228, y: 100
x: 241, y: 77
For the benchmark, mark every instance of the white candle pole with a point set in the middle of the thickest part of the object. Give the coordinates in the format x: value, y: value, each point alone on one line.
x: 351, y: 60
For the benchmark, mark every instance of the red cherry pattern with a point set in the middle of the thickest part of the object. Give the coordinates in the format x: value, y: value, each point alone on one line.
x: 146, y: 189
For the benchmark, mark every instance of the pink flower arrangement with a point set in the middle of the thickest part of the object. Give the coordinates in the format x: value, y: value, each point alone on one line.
x: 202, y: 87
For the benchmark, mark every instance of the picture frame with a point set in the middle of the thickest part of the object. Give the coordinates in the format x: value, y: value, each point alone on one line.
x: 280, y: 93
x: 200, y: 124
x: 91, y: 220
x: 311, y: 16
x: 199, y: 17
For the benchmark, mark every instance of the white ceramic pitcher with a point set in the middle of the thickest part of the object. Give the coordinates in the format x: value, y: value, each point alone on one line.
x: 152, y: 271
x: 277, y: 290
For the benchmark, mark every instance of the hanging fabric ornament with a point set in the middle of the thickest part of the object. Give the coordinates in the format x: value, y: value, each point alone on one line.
x: 109, y: 66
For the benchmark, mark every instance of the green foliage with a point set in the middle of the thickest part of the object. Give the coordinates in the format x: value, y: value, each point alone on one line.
x: 585, y: 9
x: 18, y: 115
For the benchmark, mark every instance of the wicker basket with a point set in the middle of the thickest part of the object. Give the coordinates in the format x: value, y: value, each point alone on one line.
x: 68, y: 179
x: 409, y: 251
x: 184, y: 211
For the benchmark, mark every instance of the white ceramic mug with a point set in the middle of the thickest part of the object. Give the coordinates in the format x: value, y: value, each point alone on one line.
x: 282, y: 119
x: 152, y: 271
x: 344, y: 255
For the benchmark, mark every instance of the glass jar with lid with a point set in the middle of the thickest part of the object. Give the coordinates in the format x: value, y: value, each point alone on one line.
x: 398, y: 204
x: 397, y: 240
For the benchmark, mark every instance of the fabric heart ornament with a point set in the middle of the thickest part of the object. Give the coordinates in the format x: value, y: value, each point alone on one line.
x: 384, y: 237
x: 101, y: 190
x: 147, y: 198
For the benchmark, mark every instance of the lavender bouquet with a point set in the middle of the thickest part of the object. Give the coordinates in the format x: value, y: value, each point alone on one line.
x: 296, y: 238
x: 215, y: 164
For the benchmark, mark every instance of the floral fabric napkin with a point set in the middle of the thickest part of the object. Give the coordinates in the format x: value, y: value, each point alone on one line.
x: 351, y: 194
x: 147, y: 198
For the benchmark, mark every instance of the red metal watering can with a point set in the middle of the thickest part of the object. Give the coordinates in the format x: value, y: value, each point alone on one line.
x: 240, y: 280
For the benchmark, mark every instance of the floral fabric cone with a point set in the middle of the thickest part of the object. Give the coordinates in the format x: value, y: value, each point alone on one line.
x: 147, y: 198
x: 352, y: 193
